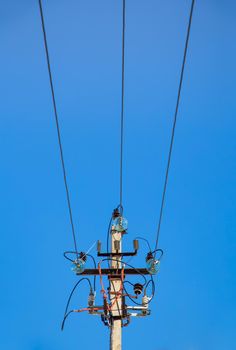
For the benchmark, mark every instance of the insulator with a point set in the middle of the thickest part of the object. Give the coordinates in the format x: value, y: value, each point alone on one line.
x: 78, y: 266
x: 138, y: 288
x: 145, y: 300
x: 149, y: 256
x: 91, y: 299
x: 153, y: 265
x: 120, y: 224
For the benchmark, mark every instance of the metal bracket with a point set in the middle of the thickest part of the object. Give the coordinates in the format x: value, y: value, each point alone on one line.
x: 116, y: 254
x: 114, y: 271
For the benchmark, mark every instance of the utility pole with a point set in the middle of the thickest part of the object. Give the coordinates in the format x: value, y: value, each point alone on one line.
x: 115, y: 287
x: 114, y: 311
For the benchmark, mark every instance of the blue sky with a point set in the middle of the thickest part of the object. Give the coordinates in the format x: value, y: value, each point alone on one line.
x: 195, y: 305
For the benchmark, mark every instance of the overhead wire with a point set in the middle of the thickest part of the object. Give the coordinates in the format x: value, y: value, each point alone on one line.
x: 122, y: 101
x: 57, y: 125
x: 174, y: 124
x: 121, y: 150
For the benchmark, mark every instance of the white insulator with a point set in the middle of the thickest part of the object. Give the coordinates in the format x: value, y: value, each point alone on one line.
x: 145, y: 300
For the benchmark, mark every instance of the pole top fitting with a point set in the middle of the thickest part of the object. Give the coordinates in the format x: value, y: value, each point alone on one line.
x: 83, y: 256
x: 115, y: 213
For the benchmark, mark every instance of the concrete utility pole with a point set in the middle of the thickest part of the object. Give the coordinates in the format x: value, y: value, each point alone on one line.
x: 115, y: 287
x: 114, y: 312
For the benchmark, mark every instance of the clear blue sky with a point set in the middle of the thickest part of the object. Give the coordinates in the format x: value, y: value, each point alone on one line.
x: 195, y: 305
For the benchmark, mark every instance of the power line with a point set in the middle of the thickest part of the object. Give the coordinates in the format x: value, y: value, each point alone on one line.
x: 70, y: 296
x: 122, y: 104
x: 174, y: 123
x: 57, y: 125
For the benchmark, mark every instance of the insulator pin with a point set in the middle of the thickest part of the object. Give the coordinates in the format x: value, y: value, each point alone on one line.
x: 136, y: 244
x: 99, y: 246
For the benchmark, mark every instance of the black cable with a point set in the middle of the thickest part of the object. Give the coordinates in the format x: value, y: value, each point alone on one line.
x: 122, y: 104
x: 153, y: 287
x: 69, y: 252
x: 91, y: 257
x: 158, y: 250
x: 132, y: 284
x: 57, y: 126
x: 145, y: 240
x: 174, y: 123
x: 69, y: 299
x: 64, y: 319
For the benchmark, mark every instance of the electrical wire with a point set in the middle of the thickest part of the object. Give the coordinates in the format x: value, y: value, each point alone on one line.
x: 153, y: 287
x: 66, y: 313
x: 132, y: 284
x: 57, y: 125
x: 65, y: 318
x: 119, y: 261
x: 158, y: 250
x: 145, y: 240
x: 145, y: 284
x: 80, y: 310
x: 174, y: 123
x: 122, y: 103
